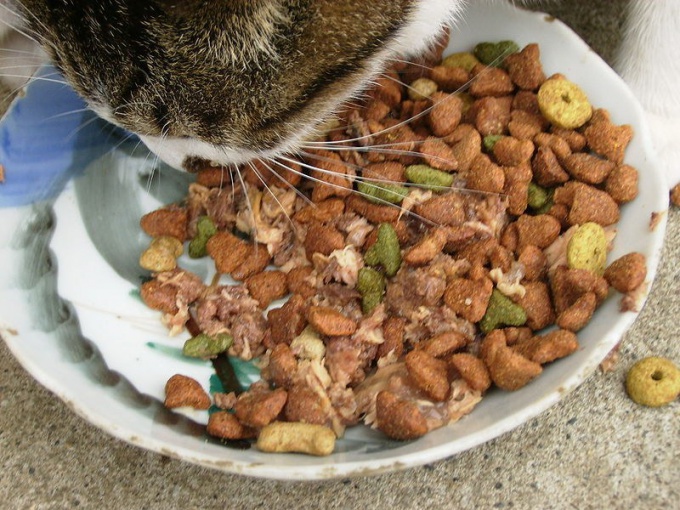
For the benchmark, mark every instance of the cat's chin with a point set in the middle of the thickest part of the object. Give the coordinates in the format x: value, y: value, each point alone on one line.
x: 176, y: 152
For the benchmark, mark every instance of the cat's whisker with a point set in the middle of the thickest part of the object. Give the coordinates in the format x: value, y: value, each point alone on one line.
x: 269, y: 190
x: 66, y: 114
x: 249, y: 203
x: 405, y: 122
x: 25, y: 31
x: 357, y: 192
x: 82, y: 126
x: 382, y: 149
x: 411, y: 62
x: 35, y: 78
x: 299, y: 193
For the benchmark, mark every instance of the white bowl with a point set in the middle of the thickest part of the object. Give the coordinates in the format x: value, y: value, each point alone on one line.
x: 70, y: 313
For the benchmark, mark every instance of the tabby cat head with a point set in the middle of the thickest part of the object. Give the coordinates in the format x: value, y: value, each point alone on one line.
x: 227, y: 80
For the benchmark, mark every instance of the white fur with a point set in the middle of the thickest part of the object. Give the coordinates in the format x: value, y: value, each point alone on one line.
x: 647, y: 61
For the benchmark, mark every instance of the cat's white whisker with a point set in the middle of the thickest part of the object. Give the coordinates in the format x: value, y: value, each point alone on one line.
x: 282, y: 179
x: 269, y: 190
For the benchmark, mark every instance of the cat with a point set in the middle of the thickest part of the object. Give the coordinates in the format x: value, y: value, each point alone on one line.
x: 231, y: 81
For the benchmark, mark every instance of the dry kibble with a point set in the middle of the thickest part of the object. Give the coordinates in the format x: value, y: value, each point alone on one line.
x: 294, y: 437
x: 622, y: 183
x: 183, y: 391
x: 627, y: 273
x: 564, y: 103
x: 421, y: 89
x: 653, y: 382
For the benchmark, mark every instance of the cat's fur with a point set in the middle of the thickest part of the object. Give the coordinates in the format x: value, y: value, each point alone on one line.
x: 234, y: 80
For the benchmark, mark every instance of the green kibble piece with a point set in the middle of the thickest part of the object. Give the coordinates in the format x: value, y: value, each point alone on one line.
x: 538, y: 196
x: 205, y: 346
x: 205, y: 229
x: 386, y: 250
x: 463, y: 59
x: 587, y: 248
x: 383, y: 192
x: 490, y: 141
x: 371, y: 286
x: 493, y: 54
x: 428, y: 177
x: 502, y: 311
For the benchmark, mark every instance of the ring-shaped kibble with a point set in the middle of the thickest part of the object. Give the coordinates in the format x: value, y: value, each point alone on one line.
x: 564, y: 104
x: 653, y: 382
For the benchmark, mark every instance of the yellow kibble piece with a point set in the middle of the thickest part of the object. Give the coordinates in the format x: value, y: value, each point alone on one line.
x: 587, y: 248
x: 422, y: 88
x: 161, y: 255
x: 653, y: 382
x: 564, y: 103
x: 296, y: 437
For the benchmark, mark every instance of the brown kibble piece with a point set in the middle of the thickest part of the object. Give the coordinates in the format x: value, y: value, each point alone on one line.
x: 168, y: 221
x: 282, y: 366
x: 427, y: 248
x: 267, y: 286
x: 159, y: 297
x: 472, y: 369
x: 438, y: 155
x: 259, y: 408
x: 225, y: 425
x: 393, y: 332
x: 303, y: 405
x: 627, y: 273
x: 296, y: 280
x: 525, y: 68
x: 446, y: 209
x: 540, y: 230
x: 183, y: 391
x: 547, y: 348
x: 534, y: 261
x: 547, y: 169
x: 490, y: 81
x: 609, y: 140
x: 255, y: 261
x: 227, y: 250
x: 288, y: 321
x: 429, y: 374
x: 588, y: 168
x: 622, y: 184
x: 511, y: 151
x: 324, y: 239
x: 468, y: 298
x: 466, y: 144
x: 484, y: 175
x: 443, y: 344
x: 579, y: 313
x: 328, y: 321
x: 592, y: 204
x: 399, y: 419
x: 537, y: 305
x: 509, y: 370
x: 449, y: 79
x: 446, y: 112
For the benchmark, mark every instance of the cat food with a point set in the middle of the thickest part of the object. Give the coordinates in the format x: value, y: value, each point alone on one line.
x: 445, y: 242
x: 653, y: 382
